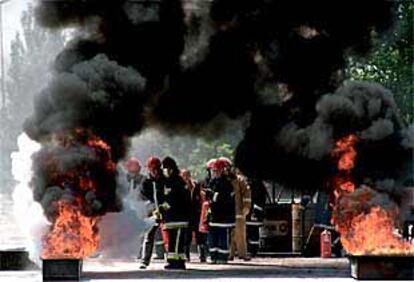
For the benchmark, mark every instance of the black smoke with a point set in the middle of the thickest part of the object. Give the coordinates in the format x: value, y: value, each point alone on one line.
x: 75, y: 167
x: 154, y: 63
x: 296, y: 149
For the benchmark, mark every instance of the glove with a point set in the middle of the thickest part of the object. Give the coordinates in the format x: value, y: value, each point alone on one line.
x: 156, y: 214
x: 165, y: 206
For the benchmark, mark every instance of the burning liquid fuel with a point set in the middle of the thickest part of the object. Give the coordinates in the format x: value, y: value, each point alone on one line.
x: 365, y: 226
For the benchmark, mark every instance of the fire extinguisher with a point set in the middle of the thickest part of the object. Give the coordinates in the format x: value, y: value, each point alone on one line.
x: 165, y: 237
x: 203, y: 227
x: 325, y: 241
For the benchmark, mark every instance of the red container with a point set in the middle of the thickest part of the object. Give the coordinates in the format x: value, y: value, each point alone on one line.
x: 165, y: 237
x: 325, y: 240
x: 203, y: 227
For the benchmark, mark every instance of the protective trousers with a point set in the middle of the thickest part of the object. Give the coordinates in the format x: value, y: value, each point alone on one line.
x: 159, y: 244
x: 238, y: 239
x: 201, y: 241
x: 253, y: 240
x: 148, y: 245
x: 176, y: 246
x: 218, y: 243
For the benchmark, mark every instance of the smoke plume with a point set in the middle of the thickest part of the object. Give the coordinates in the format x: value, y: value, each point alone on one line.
x: 180, y: 66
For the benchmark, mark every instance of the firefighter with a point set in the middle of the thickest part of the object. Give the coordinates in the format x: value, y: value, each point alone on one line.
x: 153, y: 192
x: 176, y: 211
x: 242, y: 198
x: 222, y: 214
x: 197, y: 197
x: 255, y: 217
x: 132, y: 172
x: 134, y: 177
x: 209, y: 166
x: 205, y: 205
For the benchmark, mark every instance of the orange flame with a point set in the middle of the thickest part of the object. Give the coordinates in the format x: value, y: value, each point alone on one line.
x: 373, y: 233
x: 73, y: 235
x: 363, y: 229
x: 347, y: 154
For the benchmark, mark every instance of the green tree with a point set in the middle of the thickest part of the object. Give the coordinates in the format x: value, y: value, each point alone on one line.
x: 31, y: 56
x: 189, y: 152
x: 391, y: 61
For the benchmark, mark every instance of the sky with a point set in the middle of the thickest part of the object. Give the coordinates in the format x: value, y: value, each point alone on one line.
x: 11, y: 21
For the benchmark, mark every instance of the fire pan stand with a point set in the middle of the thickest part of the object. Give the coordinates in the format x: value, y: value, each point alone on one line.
x: 376, y: 267
x: 17, y: 259
x: 62, y: 269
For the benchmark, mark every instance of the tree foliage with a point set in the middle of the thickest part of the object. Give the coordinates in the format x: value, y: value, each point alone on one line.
x: 31, y: 55
x: 32, y: 52
x: 189, y: 152
x: 391, y: 60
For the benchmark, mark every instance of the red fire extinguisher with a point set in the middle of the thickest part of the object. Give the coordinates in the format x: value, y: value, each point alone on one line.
x: 203, y: 227
x: 165, y: 237
x: 325, y: 240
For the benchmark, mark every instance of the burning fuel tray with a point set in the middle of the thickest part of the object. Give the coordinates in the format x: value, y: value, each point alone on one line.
x: 62, y: 269
x: 377, y: 267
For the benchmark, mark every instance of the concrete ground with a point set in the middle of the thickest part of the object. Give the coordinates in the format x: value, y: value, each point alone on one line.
x: 263, y: 269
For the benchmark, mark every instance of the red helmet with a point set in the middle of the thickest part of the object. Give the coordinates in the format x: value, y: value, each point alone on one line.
x: 153, y: 163
x: 226, y: 161
x: 211, y: 163
x: 220, y: 164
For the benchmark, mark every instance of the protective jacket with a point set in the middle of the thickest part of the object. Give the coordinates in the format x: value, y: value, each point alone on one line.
x: 222, y: 203
x: 153, y: 191
x: 242, y: 196
x: 176, y: 207
x: 197, y: 199
x: 258, y: 191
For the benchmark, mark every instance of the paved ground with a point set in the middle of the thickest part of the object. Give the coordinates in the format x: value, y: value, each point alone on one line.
x: 264, y: 269
x: 271, y: 269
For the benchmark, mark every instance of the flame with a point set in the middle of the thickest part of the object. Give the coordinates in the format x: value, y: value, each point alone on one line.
x: 373, y: 233
x: 74, y: 231
x: 73, y: 235
x: 364, y: 228
x: 345, y: 151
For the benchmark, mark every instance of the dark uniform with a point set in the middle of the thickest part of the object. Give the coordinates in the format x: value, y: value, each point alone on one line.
x: 153, y: 191
x: 222, y: 218
x: 255, y: 218
x: 176, y: 211
x: 196, y: 199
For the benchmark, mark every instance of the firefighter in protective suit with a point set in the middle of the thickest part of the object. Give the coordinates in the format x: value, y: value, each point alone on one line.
x: 133, y: 175
x: 197, y: 198
x: 175, y: 210
x: 221, y: 215
x: 242, y: 199
x: 135, y: 179
x: 153, y: 192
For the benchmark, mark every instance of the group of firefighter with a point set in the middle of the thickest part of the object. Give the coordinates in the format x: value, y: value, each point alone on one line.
x: 222, y: 213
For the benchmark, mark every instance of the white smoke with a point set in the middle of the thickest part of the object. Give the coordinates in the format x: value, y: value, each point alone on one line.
x: 28, y: 213
x: 122, y: 233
